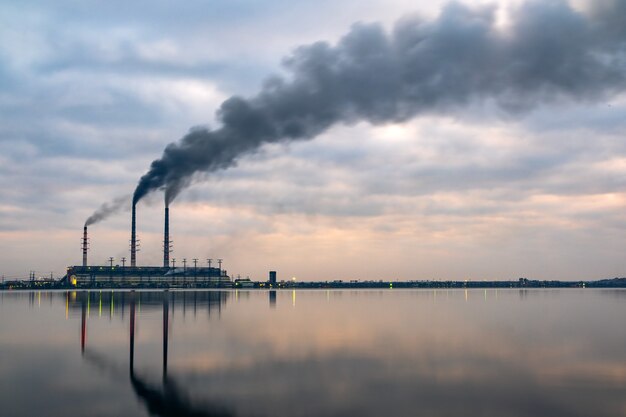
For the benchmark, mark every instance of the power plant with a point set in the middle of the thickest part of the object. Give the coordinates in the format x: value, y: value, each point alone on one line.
x: 165, y: 276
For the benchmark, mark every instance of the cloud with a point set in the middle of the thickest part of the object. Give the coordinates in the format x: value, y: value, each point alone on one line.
x: 90, y: 95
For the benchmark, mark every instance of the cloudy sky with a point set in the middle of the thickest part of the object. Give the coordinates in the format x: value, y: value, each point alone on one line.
x: 476, y: 140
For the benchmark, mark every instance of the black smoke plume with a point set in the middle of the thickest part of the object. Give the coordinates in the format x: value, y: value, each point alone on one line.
x: 549, y: 51
x: 106, y: 209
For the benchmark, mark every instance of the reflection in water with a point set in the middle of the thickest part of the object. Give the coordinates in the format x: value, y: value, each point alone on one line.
x: 272, y: 294
x: 131, y: 359
x: 167, y: 400
x: 83, y: 327
x: 166, y: 326
x: 505, y: 353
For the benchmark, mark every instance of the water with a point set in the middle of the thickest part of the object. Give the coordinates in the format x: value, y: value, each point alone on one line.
x: 314, y: 353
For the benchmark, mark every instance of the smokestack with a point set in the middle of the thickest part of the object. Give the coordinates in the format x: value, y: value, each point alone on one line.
x: 166, y: 239
x: 133, y: 239
x: 85, y: 240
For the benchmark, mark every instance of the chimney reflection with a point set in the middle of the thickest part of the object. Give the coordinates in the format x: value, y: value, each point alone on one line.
x: 132, y: 333
x: 167, y: 400
x: 166, y: 307
x: 161, y: 300
x: 83, y: 324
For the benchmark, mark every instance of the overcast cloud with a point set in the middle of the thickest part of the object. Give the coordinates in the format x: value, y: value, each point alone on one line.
x: 499, y: 187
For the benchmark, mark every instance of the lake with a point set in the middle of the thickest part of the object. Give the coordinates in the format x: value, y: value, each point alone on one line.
x: 314, y: 353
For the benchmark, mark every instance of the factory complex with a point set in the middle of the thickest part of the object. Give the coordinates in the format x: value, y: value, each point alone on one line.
x: 165, y: 276
x: 146, y: 277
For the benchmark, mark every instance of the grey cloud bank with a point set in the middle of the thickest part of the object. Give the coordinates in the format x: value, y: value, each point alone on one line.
x: 549, y: 52
x: 91, y: 94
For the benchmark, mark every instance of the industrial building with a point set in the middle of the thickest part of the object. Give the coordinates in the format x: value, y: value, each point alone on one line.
x: 146, y: 276
x: 166, y: 276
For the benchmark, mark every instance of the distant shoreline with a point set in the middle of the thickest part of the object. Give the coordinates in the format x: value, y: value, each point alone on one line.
x: 521, y: 283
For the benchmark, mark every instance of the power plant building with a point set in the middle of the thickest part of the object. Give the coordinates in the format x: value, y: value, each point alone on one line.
x: 94, y: 276
x: 146, y: 276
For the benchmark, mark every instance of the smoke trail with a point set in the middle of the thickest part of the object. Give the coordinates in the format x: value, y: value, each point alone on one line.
x: 106, y: 209
x: 549, y: 52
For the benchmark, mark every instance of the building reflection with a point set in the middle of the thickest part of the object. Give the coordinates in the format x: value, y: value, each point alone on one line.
x: 117, y: 302
x: 165, y: 399
x: 272, y: 295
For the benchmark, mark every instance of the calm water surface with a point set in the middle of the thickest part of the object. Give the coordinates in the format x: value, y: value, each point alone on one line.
x: 314, y: 353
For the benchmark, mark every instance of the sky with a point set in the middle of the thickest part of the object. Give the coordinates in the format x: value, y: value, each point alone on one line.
x: 433, y: 140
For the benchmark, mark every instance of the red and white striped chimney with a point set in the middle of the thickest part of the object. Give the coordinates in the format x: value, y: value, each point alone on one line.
x: 85, y: 241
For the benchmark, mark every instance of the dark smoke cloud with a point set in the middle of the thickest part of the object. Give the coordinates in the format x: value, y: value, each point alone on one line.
x: 549, y: 52
x: 106, y: 209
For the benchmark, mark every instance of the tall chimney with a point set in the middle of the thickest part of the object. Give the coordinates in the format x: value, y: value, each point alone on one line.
x: 85, y: 244
x: 133, y: 240
x: 166, y: 239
